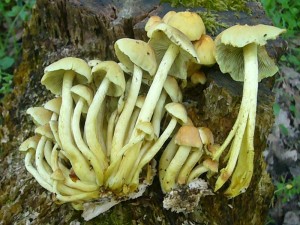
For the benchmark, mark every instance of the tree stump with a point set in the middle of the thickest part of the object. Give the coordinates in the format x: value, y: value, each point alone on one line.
x: 88, y: 29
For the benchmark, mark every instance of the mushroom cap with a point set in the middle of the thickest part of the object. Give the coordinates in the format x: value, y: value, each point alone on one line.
x: 54, y: 73
x: 173, y: 90
x: 188, y: 136
x: 147, y: 128
x: 81, y: 91
x: 168, y: 16
x: 112, y: 71
x: 198, y: 77
x: 140, y: 53
x: 205, y: 48
x: 184, y: 21
x: 178, y: 111
x: 242, y: 35
x: 152, y: 21
x: 53, y: 105
x: 45, y: 130
x: 94, y: 62
x: 229, y: 49
x: 212, y: 165
x: 40, y: 115
x: 29, y: 143
x: 212, y: 149
x: 162, y: 36
x: 206, y: 135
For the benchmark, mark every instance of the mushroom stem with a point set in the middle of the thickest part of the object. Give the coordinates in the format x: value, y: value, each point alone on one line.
x: 244, y: 169
x: 79, y: 163
x: 78, y: 184
x: 47, y: 154
x: 39, y: 160
x: 144, y: 149
x: 59, y: 187
x: 110, y: 131
x: 34, y: 172
x: 122, y: 124
x: 158, y: 113
x: 132, y: 123
x: 124, y: 169
x: 81, y: 144
x: 149, y: 106
x: 102, y: 126
x: 173, y: 169
x: 165, y: 159
x: 154, y: 149
x: 248, y: 106
x: 112, y: 170
x: 78, y: 197
x: 90, y: 127
x: 158, y: 83
x: 196, y: 172
x: 186, y: 169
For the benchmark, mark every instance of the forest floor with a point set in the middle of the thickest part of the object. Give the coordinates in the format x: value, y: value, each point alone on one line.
x: 283, y: 152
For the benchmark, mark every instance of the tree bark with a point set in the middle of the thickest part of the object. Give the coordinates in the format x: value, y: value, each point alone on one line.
x: 88, y: 29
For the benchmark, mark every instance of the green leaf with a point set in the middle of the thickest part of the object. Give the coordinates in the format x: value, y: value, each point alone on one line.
x: 14, y: 11
x: 6, y: 62
x: 283, y: 129
x: 293, y: 108
x: 276, y: 109
x: 23, y: 15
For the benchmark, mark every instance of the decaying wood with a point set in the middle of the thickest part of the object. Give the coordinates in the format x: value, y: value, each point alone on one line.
x: 88, y: 29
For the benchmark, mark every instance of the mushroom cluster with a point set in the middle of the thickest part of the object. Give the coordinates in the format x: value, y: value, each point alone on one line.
x: 95, y: 143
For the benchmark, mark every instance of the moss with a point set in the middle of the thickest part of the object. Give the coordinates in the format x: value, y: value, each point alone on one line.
x: 211, y: 23
x: 211, y: 7
x: 217, y: 5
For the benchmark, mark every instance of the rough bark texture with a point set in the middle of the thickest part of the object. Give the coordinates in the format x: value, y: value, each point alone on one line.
x: 88, y: 29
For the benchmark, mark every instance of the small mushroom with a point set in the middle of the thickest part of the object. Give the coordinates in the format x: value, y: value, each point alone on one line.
x: 110, y: 80
x: 189, y: 164
x: 53, y: 105
x: 168, y: 16
x: 178, y: 114
x: 173, y: 50
x: 205, y: 48
x: 83, y: 97
x: 152, y: 22
x: 142, y: 59
x: 187, y: 138
x: 208, y: 165
x: 46, y: 135
x: 172, y: 89
x: 40, y: 115
x: 59, y: 78
x: 29, y: 146
x: 183, y: 21
x: 198, y: 77
x: 240, y: 52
